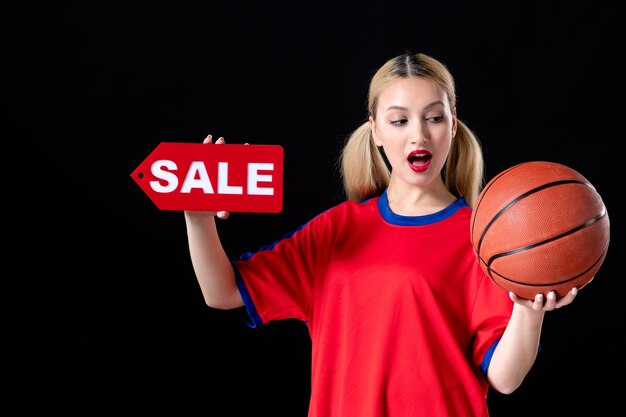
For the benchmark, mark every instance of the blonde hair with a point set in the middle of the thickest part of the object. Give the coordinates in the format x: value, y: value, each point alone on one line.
x: 364, y: 170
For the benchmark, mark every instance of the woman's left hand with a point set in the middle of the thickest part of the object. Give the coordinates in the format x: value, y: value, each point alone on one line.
x: 545, y: 303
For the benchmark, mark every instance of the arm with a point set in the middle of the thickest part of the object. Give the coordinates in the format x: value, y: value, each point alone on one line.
x: 213, y: 269
x: 516, y: 353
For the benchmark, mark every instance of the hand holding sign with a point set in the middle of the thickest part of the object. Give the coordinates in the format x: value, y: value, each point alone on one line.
x: 220, y: 179
x: 219, y: 141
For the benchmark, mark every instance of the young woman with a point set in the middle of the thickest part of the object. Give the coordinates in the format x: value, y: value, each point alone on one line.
x: 402, y: 319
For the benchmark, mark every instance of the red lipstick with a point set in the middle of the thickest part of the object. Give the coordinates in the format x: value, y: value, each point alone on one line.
x: 419, y: 160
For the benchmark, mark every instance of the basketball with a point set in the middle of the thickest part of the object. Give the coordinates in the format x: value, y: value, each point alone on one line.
x: 538, y: 227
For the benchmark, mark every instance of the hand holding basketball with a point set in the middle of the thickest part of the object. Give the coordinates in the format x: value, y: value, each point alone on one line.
x: 539, y: 227
x: 547, y: 302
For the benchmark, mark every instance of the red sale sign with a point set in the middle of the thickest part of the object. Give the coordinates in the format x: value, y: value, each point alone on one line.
x: 209, y: 177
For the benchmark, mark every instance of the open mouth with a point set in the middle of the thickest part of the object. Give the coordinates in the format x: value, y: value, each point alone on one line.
x: 419, y: 160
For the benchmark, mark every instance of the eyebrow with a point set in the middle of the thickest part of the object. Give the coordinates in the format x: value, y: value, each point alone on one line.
x: 433, y: 104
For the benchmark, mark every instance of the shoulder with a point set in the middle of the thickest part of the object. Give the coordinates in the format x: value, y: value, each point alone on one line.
x: 350, y: 208
x: 345, y: 212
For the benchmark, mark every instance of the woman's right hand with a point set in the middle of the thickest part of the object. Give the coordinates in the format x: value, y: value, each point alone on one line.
x: 211, y: 265
x: 219, y: 214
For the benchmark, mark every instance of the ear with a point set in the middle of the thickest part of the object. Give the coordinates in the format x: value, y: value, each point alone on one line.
x: 455, y: 122
x: 375, y: 134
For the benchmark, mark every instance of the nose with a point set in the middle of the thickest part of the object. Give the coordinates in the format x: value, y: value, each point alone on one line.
x: 419, y: 133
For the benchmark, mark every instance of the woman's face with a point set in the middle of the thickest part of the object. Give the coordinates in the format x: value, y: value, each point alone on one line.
x: 415, y: 125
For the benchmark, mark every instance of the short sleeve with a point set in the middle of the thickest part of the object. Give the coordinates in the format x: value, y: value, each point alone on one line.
x: 278, y: 281
x: 490, y: 316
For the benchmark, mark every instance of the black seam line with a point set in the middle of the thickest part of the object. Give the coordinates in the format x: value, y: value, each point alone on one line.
x: 482, y: 197
x: 521, y: 197
x: 491, y: 273
x: 534, y: 245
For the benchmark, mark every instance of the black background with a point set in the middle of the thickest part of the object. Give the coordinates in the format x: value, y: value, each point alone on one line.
x: 103, y: 307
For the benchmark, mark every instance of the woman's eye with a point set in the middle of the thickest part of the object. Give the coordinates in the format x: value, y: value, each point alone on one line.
x: 398, y: 122
x: 435, y: 119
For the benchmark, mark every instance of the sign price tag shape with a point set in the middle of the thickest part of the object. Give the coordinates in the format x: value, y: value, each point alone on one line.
x: 210, y: 177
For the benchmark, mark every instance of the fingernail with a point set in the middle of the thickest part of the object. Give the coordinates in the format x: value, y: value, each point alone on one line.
x: 540, y: 297
x: 574, y: 291
x: 551, y: 294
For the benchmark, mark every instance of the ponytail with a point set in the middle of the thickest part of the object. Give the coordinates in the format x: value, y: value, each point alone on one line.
x: 464, y: 172
x: 363, y: 168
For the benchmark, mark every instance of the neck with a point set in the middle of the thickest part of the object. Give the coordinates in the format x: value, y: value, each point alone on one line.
x: 415, y: 201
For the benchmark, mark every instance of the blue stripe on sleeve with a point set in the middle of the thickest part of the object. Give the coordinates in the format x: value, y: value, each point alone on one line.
x: 487, y: 359
x: 250, y: 315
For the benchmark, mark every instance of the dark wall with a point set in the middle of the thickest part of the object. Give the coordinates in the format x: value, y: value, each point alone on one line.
x: 107, y: 309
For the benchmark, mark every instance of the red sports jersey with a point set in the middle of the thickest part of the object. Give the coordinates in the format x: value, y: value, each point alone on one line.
x: 402, y: 319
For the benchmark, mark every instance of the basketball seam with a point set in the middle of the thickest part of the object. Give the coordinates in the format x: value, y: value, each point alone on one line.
x: 516, y: 200
x: 546, y: 241
x: 549, y: 284
x: 482, y: 196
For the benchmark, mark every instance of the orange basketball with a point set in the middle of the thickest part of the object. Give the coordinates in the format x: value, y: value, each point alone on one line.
x: 539, y: 227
